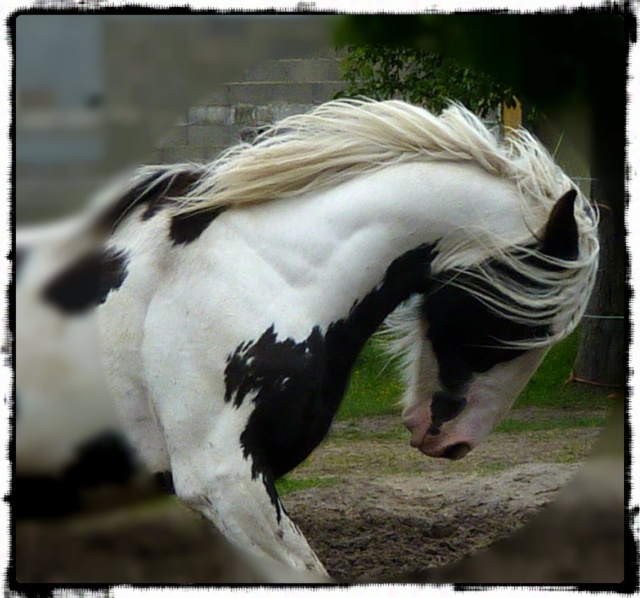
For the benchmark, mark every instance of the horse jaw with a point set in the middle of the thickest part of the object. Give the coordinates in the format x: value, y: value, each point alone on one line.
x: 488, y: 396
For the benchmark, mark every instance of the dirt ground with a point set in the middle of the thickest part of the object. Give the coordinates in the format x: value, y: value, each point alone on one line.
x: 381, y: 511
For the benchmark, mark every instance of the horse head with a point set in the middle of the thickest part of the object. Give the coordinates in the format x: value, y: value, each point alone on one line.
x: 473, y: 359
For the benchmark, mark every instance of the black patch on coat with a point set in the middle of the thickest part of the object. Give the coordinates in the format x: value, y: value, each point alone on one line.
x: 155, y: 192
x: 466, y: 335
x: 445, y: 406
x: 290, y: 416
x: 104, y: 460
x: 87, y: 282
x: 296, y: 387
x: 186, y: 228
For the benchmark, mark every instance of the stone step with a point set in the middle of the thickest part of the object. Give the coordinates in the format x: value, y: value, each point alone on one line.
x: 295, y: 70
x: 244, y: 114
x: 207, y: 136
x: 185, y: 153
x: 234, y: 111
x: 210, y: 114
x: 267, y: 93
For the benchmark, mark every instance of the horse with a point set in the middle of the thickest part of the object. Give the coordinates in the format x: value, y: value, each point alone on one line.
x: 230, y: 299
x: 68, y: 438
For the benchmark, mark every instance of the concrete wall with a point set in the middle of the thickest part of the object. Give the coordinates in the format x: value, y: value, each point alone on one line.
x: 99, y: 94
x: 58, y: 77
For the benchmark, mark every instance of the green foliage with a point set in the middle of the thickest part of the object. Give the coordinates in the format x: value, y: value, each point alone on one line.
x: 550, y: 386
x: 419, y: 76
x: 374, y: 388
x: 546, y: 59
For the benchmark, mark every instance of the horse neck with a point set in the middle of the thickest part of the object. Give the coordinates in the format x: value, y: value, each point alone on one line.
x: 353, y: 234
x: 371, y: 241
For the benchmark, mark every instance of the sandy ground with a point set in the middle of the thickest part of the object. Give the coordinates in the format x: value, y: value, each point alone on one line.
x: 380, y: 511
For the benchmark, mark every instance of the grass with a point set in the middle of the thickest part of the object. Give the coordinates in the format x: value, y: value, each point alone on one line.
x: 511, y: 426
x: 288, y: 484
x: 375, y: 389
x: 547, y: 387
x: 375, y: 386
x: 357, y: 433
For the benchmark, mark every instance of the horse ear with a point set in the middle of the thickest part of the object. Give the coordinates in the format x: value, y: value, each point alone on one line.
x: 560, y: 237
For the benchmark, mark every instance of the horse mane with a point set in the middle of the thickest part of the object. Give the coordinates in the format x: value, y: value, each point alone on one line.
x: 344, y: 138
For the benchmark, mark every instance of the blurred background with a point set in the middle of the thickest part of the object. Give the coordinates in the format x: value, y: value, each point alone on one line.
x: 96, y: 94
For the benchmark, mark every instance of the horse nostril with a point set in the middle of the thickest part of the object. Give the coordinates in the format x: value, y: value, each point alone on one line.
x: 456, y: 451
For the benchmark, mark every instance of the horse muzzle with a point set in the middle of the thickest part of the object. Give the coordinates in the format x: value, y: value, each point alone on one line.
x: 451, y: 449
x: 455, y: 451
x: 430, y: 432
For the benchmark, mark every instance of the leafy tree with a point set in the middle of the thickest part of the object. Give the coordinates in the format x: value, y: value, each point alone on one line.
x: 420, y: 76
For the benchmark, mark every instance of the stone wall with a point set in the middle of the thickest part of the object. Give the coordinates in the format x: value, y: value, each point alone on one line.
x: 235, y: 111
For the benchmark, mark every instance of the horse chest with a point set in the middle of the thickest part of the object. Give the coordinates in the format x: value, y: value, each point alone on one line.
x: 292, y: 386
x: 296, y: 386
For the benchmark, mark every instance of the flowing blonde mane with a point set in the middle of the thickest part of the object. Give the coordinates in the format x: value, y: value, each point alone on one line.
x: 342, y: 139
x: 345, y: 138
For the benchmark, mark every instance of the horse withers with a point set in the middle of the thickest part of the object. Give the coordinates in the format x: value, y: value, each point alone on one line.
x: 230, y: 300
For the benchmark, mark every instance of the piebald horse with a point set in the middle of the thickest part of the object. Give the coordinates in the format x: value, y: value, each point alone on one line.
x: 230, y: 300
